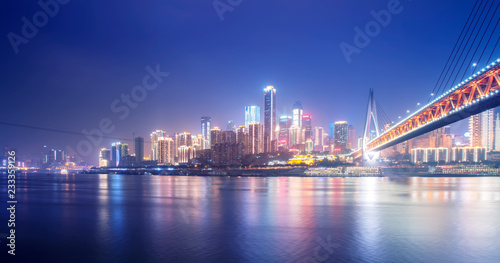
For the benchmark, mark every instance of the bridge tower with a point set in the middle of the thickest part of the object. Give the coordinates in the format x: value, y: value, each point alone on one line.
x: 371, y: 114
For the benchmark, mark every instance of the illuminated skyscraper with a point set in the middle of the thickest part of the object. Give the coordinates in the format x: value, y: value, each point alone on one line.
x: 228, y: 137
x: 340, y: 136
x: 240, y: 134
x: 166, y: 150
x: 53, y: 157
x: 252, y: 115
x: 184, y: 139
x: 206, y: 123
x: 269, y: 117
x: 104, y: 157
x: 186, y: 153
x: 155, y: 137
x: 294, y: 135
x: 200, y: 143
x: 297, y: 113
x: 318, y: 136
x: 481, y: 130
x: 242, y: 137
x: 475, y: 130
x: 307, y: 126
x: 285, y: 124
x: 488, y: 130
x: 255, y: 138
x: 118, y: 152
x: 216, y: 136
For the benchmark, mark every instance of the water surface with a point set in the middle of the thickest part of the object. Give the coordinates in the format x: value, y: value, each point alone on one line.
x: 138, y: 218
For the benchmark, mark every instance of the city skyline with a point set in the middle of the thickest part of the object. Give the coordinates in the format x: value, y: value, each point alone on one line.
x: 206, y: 121
x: 90, y: 79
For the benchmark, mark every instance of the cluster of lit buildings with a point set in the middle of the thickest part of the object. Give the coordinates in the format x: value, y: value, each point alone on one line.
x: 47, y: 158
x: 295, y: 133
x: 480, y: 143
x: 118, y: 155
x: 292, y: 132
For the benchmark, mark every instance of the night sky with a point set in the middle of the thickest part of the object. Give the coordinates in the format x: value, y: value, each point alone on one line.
x: 91, y: 52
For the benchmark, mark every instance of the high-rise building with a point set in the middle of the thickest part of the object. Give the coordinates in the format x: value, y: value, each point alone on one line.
x: 242, y: 138
x: 482, y: 130
x: 166, y: 150
x: 252, y: 115
x: 216, y: 136
x: 206, y: 123
x: 475, y: 130
x: 332, y: 130
x: 297, y: 113
x: 228, y: 137
x: 155, y: 137
x: 468, y: 154
x: 139, y: 149
x: 428, y: 155
x: 269, y: 117
x: 240, y: 134
x: 186, y: 153
x: 230, y: 126
x: 351, y: 138
x: 340, y: 136
x: 307, y: 127
x: 182, y: 139
x: 118, y: 152
x: 52, y: 157
x: 285, y: 124
x: 488, y: 130
x: 104, y: 157
x: 294, y: 135
x: 318, y: 136
x: 200, y: 143
x: 255, y: 138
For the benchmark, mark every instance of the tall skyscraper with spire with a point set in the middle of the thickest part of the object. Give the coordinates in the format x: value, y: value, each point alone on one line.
x: 269, y: 118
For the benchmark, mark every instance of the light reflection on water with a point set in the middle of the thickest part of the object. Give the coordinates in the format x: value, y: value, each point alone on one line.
x: 137, y: 218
